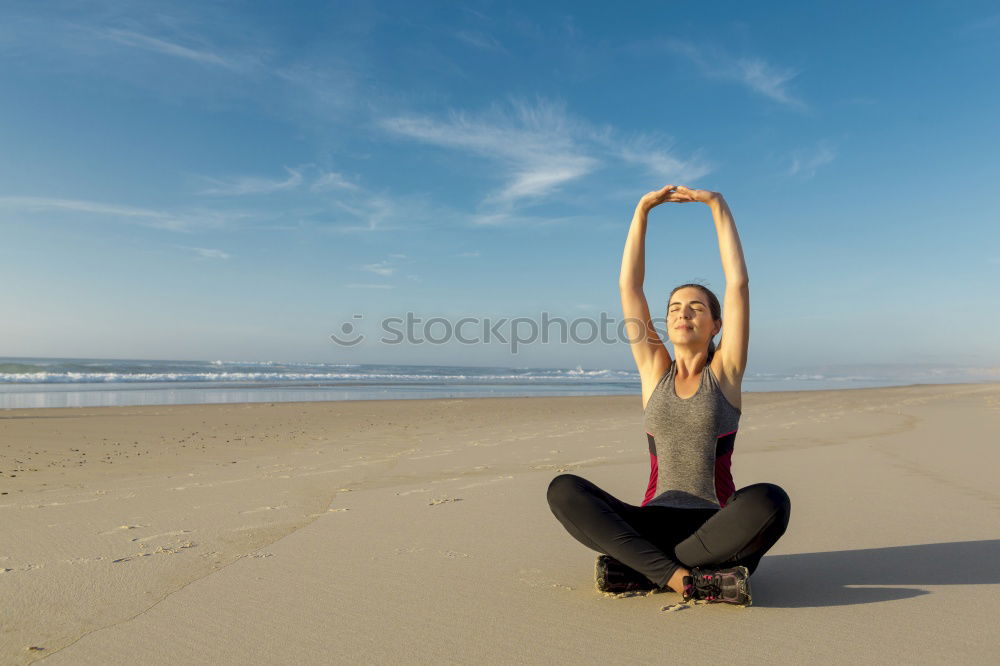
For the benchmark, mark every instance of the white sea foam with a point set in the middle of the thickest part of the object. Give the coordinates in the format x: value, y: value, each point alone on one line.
x: 272, y: 377
x: 38, y: 382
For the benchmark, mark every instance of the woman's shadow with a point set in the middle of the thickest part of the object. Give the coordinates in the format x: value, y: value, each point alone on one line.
x: 810, y: 580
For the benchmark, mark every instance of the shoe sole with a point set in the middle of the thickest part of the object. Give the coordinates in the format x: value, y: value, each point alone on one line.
x: 600, y: 575
x: 602, y: 584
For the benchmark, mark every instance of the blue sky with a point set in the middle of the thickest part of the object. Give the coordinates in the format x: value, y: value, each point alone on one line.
x: 237, y: 180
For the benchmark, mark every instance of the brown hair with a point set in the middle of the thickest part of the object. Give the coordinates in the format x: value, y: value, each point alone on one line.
x: 713, y: 306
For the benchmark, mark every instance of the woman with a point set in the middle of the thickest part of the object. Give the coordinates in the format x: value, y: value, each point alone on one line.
x: 692, y: 533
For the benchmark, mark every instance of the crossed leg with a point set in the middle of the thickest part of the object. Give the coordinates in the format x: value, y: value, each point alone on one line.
x: 656, y: 540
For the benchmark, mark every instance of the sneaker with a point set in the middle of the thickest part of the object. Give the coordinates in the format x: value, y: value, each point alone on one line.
x: 613, y: 576
x: 730, y: 586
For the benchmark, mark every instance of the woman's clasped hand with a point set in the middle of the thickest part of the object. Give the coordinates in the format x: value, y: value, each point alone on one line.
x: 676, y: 194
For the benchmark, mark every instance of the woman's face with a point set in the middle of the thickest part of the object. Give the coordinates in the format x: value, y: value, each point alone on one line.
x: 689, y: 319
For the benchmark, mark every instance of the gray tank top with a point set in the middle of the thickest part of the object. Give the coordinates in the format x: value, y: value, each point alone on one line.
x: 691, y: 441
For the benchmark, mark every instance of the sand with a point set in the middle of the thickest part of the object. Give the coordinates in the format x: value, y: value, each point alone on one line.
x: 417, y: 531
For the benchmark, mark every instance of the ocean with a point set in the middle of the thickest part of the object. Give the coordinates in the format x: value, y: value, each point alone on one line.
x: 78, y: 382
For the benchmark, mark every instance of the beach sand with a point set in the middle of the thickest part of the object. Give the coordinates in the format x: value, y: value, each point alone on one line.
x: 416, y: 531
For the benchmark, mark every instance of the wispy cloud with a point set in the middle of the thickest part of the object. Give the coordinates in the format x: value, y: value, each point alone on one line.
x: 321, y: 181
x: 164, y: 47
x: 805, y: 162
x: 357, y: 211
x: 540, y: 148
x: 380, y: 268
x: 535, y: 144
x: 251, y: 185
x: 755, y: 73
x: 372, y: 211
x: 172, y: 221
x: 537, y: 179
x: 511, y: 219
x: 480, y: 40
x: 661, y: 162
x: 330, y: 180
x: 468, y: 254
x: 364, y: 285
x: 767, y: 80
x: 237, y: 59
x: 475, y: 13
x: 365, y: 212
x: 208, y: 253
x: 42, y: 203
x: 387, y: 267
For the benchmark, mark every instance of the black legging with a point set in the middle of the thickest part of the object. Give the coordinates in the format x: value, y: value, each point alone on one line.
x: 657, y: 540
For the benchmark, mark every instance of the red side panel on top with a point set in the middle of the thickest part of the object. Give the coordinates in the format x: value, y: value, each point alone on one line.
x: 724, y: 486
x: 653, y: 473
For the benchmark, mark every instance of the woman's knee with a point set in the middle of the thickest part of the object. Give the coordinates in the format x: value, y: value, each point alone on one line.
x: 563, y: 488
x: 771, y: 498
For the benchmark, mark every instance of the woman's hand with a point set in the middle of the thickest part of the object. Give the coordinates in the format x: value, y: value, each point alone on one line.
x: 676, y: 194
x: 685, y: 194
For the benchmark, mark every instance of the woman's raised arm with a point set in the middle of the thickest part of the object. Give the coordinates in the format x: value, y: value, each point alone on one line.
x: 734, y: 344
x: 650, y: 354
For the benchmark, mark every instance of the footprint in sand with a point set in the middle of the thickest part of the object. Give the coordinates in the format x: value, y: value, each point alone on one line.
x: 403, y: 550
x: 453, y: 478
x: 130, y: 557
x: 536, y: 578
x: 118, y: 529
x: 175, y: 549
x: 156, y: 536
x: 42, y: 506
x: 169, y: 550
x: 410, y: 492
x: 263, y: 508
x: 487, y: 482
x: 442, y: 500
